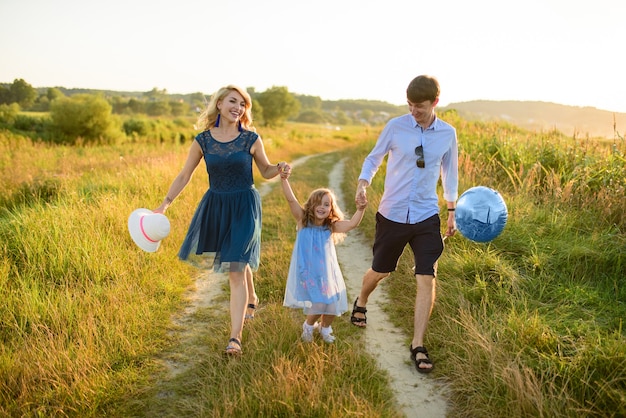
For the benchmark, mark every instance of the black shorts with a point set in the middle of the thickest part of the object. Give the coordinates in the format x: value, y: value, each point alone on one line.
x: 391, y: 238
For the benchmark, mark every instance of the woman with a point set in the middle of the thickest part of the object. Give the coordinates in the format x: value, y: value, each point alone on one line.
x: 226, y: 227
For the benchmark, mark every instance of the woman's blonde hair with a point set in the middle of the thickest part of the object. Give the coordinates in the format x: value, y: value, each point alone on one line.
x: 207, y: 118
x: 315, y: 199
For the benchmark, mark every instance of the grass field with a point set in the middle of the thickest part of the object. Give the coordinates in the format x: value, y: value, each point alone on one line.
x: 530, y: 324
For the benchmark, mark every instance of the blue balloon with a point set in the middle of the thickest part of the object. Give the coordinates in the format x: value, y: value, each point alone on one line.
x: 480, y: 214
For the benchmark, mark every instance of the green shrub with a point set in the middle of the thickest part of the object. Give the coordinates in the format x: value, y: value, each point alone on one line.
x: 83, y: 116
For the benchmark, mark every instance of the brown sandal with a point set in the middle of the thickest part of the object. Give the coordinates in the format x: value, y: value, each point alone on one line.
x: 233, y: 348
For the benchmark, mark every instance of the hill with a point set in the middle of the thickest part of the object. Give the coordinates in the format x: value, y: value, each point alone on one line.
x: 544, y: 116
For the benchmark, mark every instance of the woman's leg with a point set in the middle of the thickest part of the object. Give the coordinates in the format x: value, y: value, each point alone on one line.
x: 253, y: 300
x: 238, y: 302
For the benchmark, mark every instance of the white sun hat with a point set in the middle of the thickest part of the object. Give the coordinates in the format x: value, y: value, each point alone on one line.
x: 147, y: 228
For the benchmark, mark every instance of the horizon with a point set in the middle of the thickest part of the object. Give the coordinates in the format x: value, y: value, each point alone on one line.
x: 334, y: 50
x: 324, y: 99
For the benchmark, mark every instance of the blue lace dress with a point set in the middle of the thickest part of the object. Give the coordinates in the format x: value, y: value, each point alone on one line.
x: 315, y: 283
x: 225, y: 231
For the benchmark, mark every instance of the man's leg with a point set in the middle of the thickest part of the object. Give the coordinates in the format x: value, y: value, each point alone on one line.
x: 424, y: 301
x: 368, y: 285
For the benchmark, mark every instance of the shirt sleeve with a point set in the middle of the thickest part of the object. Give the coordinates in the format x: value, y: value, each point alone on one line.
x: 375, y: 158
x: 450, y: 172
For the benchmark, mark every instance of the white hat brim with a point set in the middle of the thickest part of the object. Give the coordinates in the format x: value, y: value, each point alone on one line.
x: 137, y: 235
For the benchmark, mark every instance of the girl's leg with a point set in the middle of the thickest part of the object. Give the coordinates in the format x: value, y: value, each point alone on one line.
x: 327, y: 320
x: 309, y: 325
x: 312, y: 319
x: 327, y: 331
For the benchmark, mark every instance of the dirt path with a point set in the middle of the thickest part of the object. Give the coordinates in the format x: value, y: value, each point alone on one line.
x: 417, y: 395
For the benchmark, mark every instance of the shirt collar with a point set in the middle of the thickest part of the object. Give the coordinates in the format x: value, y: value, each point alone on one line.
x: 433, y: 125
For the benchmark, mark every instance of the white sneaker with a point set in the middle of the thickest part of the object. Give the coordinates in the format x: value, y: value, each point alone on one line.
x: 327, y: 334
x: 307, y: 332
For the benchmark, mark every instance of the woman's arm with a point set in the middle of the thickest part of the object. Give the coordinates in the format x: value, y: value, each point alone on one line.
x: 181, y: 180
x: 267, y: 169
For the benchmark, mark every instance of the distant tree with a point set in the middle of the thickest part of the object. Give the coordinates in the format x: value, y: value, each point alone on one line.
x: 309, y: 102
x: 257, y: 112
x: 54, y: 93
x: 82, y: 116
x: 42, y: 104
x: 158, y: 108
x: 197, y: 101
x: 119, y: 105
x: 178, y: 107
x: 365, y: 115
x: 136, y: 126
x: 156, y: 94
x: 341, y: 118
x: 5, y: 95
x: 136, y: 106
x: 312, y: 116
x: 23, y: 93
x: 278, y: 105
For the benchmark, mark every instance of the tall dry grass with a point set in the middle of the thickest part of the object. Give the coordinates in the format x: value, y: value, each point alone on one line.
x: 527, y: 325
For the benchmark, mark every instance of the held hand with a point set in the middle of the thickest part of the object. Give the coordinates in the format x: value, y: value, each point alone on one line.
x: 361, y: 202
x: 284, y: 170
x: 360, y: 194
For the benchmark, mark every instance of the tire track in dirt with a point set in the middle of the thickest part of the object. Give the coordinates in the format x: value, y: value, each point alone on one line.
x: 417, y: 394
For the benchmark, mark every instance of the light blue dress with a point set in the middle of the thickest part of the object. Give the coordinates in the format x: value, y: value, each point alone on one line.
x: 315, y: 283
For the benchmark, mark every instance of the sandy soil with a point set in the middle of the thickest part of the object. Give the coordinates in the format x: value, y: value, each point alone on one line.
x: 417, y: 394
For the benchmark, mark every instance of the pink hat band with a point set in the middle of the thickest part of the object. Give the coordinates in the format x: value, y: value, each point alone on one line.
x: 143, y: 231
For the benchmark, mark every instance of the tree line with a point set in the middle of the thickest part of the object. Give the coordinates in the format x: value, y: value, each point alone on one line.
x: 64, y: 115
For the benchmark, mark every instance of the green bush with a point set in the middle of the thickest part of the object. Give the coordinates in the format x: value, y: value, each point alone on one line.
x: 136, y: 126
x: 82, y: 117
x: 8, y: 113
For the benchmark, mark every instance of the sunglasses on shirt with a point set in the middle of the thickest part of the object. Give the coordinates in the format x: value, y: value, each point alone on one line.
x: 419, y: 151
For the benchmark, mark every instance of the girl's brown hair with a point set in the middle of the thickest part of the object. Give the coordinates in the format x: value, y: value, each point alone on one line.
x: 315, y: 199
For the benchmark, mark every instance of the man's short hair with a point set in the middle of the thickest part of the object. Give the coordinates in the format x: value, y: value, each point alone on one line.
x: 422, y: 88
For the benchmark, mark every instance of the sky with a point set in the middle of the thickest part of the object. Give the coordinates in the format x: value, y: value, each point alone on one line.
x: 560, y: 51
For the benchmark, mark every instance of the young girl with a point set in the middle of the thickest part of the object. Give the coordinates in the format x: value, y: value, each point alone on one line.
x: 315, y: 283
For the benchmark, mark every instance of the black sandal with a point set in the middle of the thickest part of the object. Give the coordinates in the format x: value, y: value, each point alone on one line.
x: 251, y: 309
x: 419, y: 361
x: 359, y: 322
x: 251, y: 306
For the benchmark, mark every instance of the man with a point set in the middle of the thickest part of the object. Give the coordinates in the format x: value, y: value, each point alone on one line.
x: 420, y: 148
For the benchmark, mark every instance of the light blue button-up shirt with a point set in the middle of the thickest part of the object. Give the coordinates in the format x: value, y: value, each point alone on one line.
x: 410, y: 194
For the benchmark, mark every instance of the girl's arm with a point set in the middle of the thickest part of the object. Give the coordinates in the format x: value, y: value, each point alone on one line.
x: 345, y: 226
x: 294, y: 205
